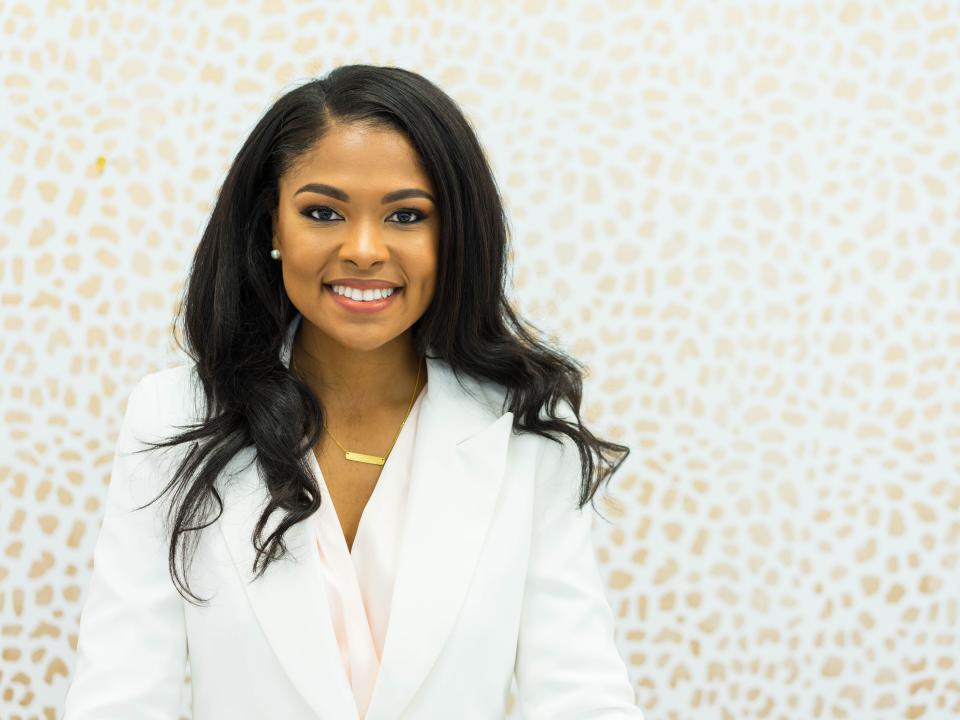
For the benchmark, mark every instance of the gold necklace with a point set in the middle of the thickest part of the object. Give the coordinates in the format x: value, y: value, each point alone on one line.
x: 363, y: 457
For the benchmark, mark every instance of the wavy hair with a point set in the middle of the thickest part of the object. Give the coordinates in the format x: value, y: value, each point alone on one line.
x: 235, y: 310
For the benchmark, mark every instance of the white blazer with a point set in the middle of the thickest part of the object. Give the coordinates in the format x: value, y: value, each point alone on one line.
x: 496, y: 576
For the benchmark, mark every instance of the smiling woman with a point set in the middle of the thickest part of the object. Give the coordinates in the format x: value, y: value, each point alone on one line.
x: 378, y: 227
x: 380, y: 474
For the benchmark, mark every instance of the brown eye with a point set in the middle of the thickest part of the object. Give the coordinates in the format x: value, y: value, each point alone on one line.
x: 417, y: 216
x: 322, y: 210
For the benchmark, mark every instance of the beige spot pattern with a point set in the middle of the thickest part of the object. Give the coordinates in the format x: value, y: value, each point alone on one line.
x: 744, y: 217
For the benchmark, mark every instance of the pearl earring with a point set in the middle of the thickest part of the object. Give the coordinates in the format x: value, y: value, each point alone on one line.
x: 275, y: 254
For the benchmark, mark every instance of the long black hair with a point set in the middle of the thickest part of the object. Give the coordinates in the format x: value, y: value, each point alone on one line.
x: 235, y: 310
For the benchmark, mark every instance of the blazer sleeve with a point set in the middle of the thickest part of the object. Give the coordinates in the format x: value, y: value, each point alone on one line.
x: 131, y: 648
x: 567, y: 665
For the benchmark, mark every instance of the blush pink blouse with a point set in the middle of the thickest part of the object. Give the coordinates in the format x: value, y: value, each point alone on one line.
x: 359, y: 583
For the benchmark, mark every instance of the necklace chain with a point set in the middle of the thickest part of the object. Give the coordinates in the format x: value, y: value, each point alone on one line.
x: 363, y: 457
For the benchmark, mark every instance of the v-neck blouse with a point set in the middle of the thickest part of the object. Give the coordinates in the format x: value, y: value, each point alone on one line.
x: 359, y: 584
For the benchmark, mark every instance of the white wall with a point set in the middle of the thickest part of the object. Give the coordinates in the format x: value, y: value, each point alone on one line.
x: 743, y: 216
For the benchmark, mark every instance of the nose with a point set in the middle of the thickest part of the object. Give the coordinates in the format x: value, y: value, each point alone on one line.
x: 363, y: 243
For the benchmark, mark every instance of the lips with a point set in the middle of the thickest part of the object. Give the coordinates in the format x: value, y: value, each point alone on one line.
x: 364, y: 284
x: 395, y: 288
x: 362, y: 307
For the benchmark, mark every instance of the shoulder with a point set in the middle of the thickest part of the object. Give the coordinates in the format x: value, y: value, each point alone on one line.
x: 167, y: 397
x: 172, y: 378
x: 489, y: 395
x: 552, y: 457
x: 460, y: 392
x: 491, y: 399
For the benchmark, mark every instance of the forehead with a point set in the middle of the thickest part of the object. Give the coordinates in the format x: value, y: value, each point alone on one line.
x: 360, y: 155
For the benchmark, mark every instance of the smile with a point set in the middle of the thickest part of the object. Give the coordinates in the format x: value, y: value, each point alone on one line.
x: 373, y: 305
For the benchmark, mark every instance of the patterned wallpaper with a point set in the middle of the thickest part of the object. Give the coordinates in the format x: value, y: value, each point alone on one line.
x: 744, y: 217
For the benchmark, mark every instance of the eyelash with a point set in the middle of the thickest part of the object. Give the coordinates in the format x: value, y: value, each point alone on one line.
x: 307, y: 213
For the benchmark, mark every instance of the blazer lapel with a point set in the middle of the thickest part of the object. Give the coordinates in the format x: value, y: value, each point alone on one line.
x: 457, y: 468
x: 456, y: 472
x: 289, y: 599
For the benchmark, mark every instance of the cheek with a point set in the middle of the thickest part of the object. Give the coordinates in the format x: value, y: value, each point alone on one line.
x: 301, y: 253
x: 295, y: 278
x: 302, y: 264
x: 419, y: 261
x: 428, y: 290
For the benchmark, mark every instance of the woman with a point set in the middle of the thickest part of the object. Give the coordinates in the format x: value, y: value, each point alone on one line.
x: 375, y: 472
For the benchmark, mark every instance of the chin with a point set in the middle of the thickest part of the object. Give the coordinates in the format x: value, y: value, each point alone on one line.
x: 365, y: 341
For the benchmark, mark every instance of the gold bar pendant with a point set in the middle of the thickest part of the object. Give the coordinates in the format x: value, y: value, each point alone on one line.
x: 360, y: 457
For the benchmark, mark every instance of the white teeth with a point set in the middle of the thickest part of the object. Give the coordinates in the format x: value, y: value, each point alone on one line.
x: 362, y: 295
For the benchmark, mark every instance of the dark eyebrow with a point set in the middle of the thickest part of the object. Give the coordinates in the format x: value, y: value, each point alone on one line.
x: 339, y: 194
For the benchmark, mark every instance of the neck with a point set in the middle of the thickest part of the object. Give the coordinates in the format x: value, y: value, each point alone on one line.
x: 358, y: 382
